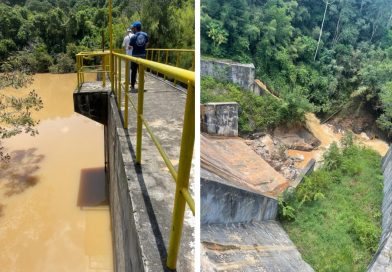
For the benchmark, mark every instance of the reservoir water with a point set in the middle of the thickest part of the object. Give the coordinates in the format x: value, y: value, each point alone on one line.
x: 54, y: 212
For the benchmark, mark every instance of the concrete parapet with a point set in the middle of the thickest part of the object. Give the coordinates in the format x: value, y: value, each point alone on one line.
x: 226, y: 70
x: 219, y: 118
x: 382, y: 260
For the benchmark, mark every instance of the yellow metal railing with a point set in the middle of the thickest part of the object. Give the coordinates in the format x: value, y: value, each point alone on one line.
x: 182, y: 58
x: 113, y: 58
x: 102, y: 68
x: 173, y: 57
x: 182, y: 195
x: 181, y: 177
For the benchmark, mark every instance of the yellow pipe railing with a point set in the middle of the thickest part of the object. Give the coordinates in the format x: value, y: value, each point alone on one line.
x: 182, y: 194
x: 176, y: 54
x: 102, y: 68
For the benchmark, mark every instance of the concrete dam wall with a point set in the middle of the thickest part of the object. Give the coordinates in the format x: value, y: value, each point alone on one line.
x: 382, y: 260
x: 223, y: 203
x: 225, y: 70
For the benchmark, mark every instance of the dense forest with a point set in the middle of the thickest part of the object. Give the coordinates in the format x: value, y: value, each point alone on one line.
x: 322, y: 53
x: 45, y: 35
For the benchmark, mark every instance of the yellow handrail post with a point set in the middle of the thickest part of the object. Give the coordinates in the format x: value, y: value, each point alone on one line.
x: 78, y: 72
x: 115, y: 77
x: 159, y: 58
x: 103, y: 71
x: 147, y: 54
x: 184, y: 167
x: 126, y: 94
x: 193, y: 62
x: 119, y: 84
x: 166, y: 61
x: 82, y: 74
x: 177, y: 61
x: 140, y: 101
x: 111, y: 45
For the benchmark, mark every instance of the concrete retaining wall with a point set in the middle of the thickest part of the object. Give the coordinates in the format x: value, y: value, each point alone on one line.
x: 382, y: 260
x: 219, y: 118
x: 224, y: 70
x: 127, y: 246
x: 221, y: 203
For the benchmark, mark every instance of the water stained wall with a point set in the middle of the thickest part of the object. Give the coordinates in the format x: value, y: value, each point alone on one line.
x: 219, y: 118
x: 226, y: 70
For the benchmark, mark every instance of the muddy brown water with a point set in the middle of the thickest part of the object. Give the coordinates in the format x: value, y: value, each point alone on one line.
x: 54, y: 213
x: 327, y: 136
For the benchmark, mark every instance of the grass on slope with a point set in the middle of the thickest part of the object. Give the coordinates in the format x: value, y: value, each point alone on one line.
x: 334, y: 216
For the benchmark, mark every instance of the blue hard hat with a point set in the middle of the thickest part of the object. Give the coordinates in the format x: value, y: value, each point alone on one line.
x: 137, y: 24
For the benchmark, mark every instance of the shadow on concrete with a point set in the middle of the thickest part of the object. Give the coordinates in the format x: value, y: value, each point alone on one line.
x: 135, y: 91
x: 92, y: 188
x: 150, y: 209
x: 19, y: 173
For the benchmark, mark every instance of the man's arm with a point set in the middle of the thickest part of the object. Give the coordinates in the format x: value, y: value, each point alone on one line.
x: 132, y: 40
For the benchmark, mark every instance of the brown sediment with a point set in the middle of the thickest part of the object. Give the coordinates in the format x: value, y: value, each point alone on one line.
x: 325, y: 133
x: 307, y: 156
x: 225, y: 247
x: 50, y: 220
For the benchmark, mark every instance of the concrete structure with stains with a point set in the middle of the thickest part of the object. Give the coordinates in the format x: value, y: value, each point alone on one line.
x: 242, y: 74
x: 219, y: 118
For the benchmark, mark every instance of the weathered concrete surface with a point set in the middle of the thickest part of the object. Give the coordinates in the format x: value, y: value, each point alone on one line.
x: 92, y: 101
x: 226, y: 70
x: 307, y: 170
x: 219, y: 118
x: 251, y: 247
x: 222, y: 203
x: 382, y: 260
x: 142, y: 197
x: 234, y: 161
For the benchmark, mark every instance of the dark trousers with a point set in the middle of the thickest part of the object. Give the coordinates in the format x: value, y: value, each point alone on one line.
x: 134, y: 68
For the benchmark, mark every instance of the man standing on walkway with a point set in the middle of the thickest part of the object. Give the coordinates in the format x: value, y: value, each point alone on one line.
x: 127, y: 39
x: 139, y: 42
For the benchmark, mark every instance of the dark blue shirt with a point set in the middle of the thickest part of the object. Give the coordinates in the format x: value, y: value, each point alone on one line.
x: 139, y: 42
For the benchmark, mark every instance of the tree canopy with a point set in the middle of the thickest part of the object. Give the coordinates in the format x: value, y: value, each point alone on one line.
x: 325, y: 50
x: 50, y: 32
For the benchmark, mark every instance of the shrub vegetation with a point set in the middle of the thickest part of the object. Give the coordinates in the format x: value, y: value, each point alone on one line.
x: 256, y: 113
x: 334, y: 216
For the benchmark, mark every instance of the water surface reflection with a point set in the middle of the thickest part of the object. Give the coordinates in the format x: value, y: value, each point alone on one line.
x: 50, y: 177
